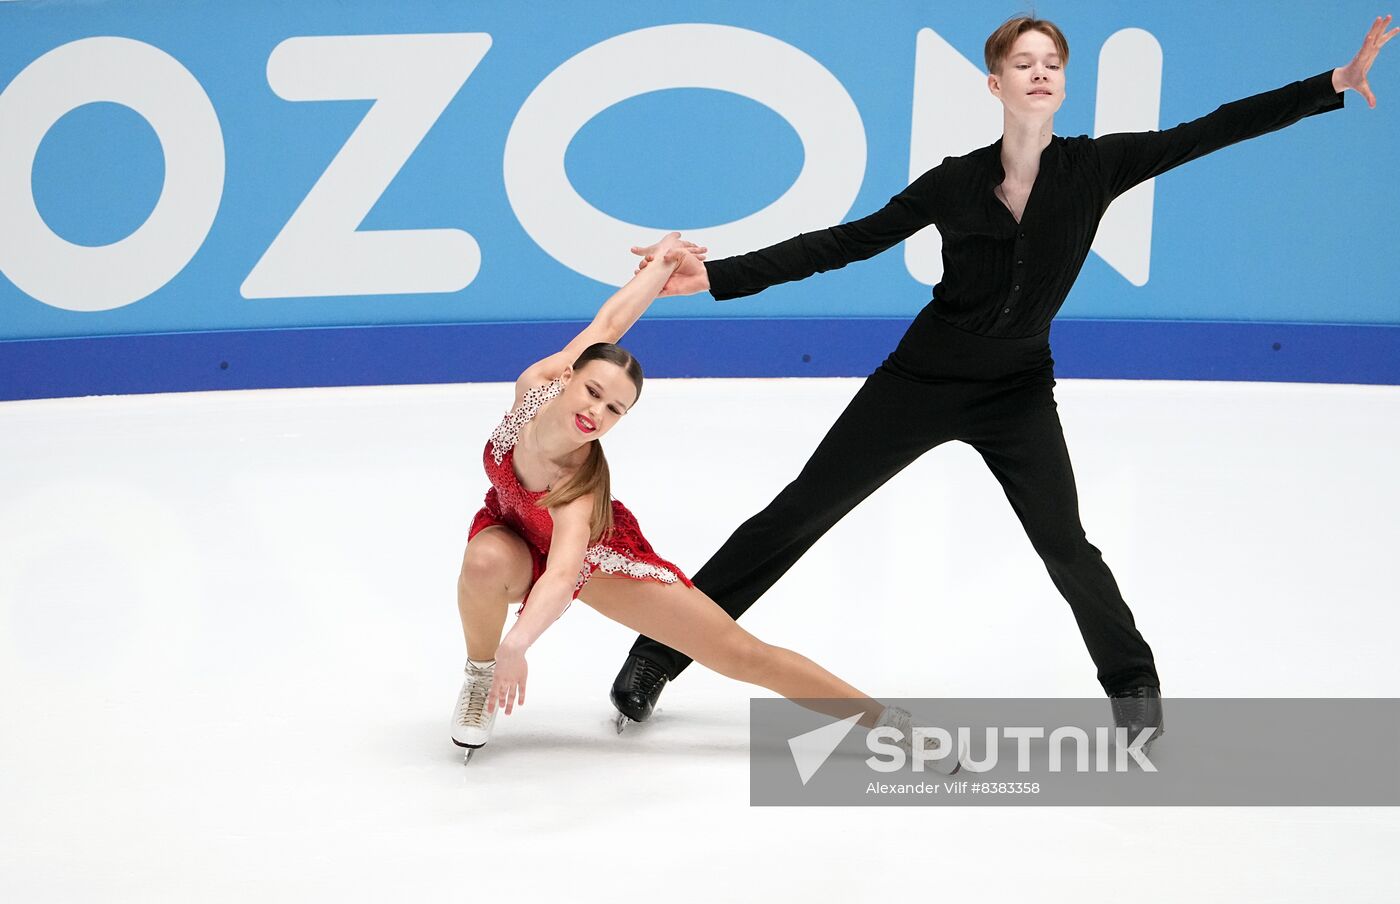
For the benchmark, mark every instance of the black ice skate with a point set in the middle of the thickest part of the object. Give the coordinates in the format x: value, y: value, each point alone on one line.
x: 636, y: 689
x: 1137, y: 709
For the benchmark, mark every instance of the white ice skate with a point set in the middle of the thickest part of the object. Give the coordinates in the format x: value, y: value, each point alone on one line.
x: 902, y: 720
x: 471, y: 723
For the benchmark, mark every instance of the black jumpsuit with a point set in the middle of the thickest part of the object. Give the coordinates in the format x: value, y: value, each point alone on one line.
x: 975, y: 364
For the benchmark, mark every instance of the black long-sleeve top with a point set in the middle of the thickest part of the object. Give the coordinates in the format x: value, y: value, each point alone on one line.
x: 1007, y: 279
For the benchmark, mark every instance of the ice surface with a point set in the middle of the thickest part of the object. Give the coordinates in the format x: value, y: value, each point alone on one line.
x: 229, y: 648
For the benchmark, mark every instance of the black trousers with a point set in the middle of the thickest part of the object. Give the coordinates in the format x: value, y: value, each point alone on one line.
x: 941, y: 384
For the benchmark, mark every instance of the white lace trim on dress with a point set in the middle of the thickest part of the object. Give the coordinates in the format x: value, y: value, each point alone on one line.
x: 503, y: 438
x: 610, y: 561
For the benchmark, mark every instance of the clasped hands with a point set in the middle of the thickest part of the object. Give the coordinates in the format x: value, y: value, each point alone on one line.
x: 689, y: 276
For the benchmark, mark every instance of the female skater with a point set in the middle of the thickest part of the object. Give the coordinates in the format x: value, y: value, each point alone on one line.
x: 1017, y: 218
x: 550, y: 531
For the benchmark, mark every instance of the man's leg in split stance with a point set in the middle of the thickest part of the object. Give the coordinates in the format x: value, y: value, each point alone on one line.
x: 889, y: 423
x: 1025, y: 448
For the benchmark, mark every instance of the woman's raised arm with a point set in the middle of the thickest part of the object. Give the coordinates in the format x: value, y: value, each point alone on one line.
x: 622, y: 309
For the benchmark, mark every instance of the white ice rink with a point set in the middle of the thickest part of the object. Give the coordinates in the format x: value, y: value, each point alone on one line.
x: 229, y: 649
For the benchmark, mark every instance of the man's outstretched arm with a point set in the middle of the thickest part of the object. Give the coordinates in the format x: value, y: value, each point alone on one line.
x: 811, y: 252
x: 1129, y: 158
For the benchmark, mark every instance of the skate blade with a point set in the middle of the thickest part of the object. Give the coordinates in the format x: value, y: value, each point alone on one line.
x: 469, y: 748
x: 621, y: 722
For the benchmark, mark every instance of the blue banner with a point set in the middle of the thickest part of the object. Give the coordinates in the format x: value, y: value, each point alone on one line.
x: 201, y: 167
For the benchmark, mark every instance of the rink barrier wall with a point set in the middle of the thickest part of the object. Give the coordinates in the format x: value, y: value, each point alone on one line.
x: 749, y: 347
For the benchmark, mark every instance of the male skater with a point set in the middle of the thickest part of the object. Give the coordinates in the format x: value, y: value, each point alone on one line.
x: 1017, y: 220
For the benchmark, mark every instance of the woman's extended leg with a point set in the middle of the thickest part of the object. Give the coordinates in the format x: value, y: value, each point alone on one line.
x: 888, y: 424
x: 495, y: 573
x: 687, y: 620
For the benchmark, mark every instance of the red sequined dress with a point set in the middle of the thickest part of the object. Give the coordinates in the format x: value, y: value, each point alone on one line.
x: 624, y: 551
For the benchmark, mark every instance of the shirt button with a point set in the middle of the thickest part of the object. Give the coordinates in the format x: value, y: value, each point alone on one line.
x: 1020, y: 262
x: 1006, y: 310
x: 1023, y: 235
x: 1016, y: 289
